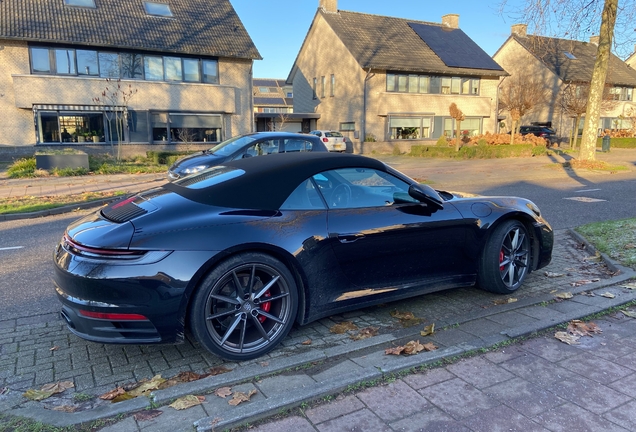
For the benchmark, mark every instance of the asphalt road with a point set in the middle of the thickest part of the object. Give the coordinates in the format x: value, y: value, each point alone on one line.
x: 566, y: 201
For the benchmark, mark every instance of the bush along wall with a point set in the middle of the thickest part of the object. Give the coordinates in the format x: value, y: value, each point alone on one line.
x: 480, y: 151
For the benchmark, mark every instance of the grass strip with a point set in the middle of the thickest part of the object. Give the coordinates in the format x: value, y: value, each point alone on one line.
x: 27, y: 204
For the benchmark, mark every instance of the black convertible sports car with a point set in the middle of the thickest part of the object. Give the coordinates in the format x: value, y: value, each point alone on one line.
x: 240, y: 252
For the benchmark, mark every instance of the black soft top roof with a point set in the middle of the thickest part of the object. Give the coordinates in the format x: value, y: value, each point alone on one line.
x: 268, y: 180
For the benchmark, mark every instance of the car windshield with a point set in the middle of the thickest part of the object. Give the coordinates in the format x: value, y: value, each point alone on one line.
x: 228, y: 147
x: 209, y: 177
x: 333, y: 134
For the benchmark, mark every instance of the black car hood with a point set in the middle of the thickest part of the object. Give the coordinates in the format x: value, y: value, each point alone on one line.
x: 199, y: 158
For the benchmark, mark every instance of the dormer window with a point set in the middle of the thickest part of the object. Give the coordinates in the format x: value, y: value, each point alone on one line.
x: 81, y: 3
x: 157, y: 9
x: 569, y: 55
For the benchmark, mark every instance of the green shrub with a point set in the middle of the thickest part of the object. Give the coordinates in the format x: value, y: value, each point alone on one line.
x: 396, y: 151
x: 477, y: 152
x: 161, y: 157
x: 442, y: 141
x: 616, y: 142
x: 370, y: 138
x: 69, y: 172
x: 22, y: 168
x: 482, y: 142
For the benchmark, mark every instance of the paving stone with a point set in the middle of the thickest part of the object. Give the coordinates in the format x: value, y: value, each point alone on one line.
x: 503, y: 354
x: 343, y: 367
x: 537, y: 370
x: 295, y: 423
x: 282, y: 383
x: 595, y: 368
x: 501, y: 418
x: 430, y: 377
x: 588, y: 394
x: 430, y: 419
x: 363, y: 420
x: 173, y: 420
x: 524, y: 397
x: 479, y: 372
x: 452, y: 336
x: 458, y: 398
x: 624, y: 415
x: 393, y: 401
x: 569, y: 418
x: 128, y: 425
x: 340, y: 406
x: 549, y: 349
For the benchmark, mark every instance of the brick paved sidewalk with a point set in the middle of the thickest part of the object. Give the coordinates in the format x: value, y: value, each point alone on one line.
x: 537, y: 385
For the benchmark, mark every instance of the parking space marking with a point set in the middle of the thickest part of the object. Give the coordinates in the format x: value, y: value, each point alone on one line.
x: 587, y: 190
x: 585, y: 199
x: 11, y: 247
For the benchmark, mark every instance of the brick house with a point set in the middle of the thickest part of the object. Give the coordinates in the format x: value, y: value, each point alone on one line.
x: 393, y: 79
x: 274, y: 108
x: 189, y: 61
x: 560, y: 64
x: 631, y: 60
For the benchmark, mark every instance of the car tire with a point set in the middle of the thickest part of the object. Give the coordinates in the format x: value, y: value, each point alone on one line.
x: 505, y: 259
x: 244, y: 307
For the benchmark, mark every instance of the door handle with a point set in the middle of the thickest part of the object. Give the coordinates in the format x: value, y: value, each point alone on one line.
x: 350, y: 238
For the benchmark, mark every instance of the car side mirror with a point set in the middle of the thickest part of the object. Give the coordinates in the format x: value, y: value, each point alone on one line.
x: 426, y: 194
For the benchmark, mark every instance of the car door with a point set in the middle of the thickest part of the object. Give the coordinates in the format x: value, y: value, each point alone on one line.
x: 379, y: 242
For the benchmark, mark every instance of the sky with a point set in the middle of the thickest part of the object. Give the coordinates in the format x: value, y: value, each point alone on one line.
x: 278, y: 27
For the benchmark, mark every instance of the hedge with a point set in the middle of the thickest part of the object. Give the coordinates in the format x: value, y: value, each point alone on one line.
x: 479, y: 152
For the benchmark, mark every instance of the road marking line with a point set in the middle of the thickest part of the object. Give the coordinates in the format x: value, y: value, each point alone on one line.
x: 587, y: 190
x: 585, y: 199
x: 12, y: 247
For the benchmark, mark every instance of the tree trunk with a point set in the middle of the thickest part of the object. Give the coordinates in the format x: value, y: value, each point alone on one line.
x: 587, y: 151
x: 512, y: 133
x: 457, y: 137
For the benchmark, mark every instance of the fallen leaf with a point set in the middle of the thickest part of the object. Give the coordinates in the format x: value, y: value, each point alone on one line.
x: 567, y: 338
x: 629, y: 313
x: 239, y: 397
x: 365, y: 333
x: 608, y: 295
x: 402, y: 315
x: 554, y: 275
x: 394, y: 350
x: 631, y: 286
x: 428, y: 330
x: 413, y: 347
x: 186, y: 402
x: 307, y: 342
x: 564, y: 295
x: 113, y: 394
x: 146, y: 415
x: 124, y: 397
x: 147, y: 386
x: 264, y: 364
x: 343, y: 327
x: 223, y: 392
x: 580, y: 328
x: 189, y: 376
x: 429, y: 346
x: 583, y: 282
x: 504, y: 301
x: 48, y: 390
x: 65, y: 408
x: 218, y: 370
x: 55, y: 348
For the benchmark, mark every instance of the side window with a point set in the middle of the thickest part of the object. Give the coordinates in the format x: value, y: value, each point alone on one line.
x: 261, y: 148
x: 304, y: 197
x: 359, y: 188
x: 297, y: 145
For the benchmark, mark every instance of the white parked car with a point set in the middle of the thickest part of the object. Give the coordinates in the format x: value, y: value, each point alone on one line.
x: 332, y: 139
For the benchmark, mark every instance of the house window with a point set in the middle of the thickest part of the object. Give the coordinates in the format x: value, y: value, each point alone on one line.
x: 180, y: 127
x: 70, y: 126
x: 65, y: 61
x: 403, y: 81
x: 424, y: 84
x: 431, y: 84
x: 455, y: 85
x: 409, y: 127
x: 109, y: 65
x: 390, y: 82
x: 191, y: 71
x: 414, y: 84
x: 87, y: 63
x: 157, y: 9
x: 569, y: 55
x: 132, y: 66
x: 332, y: 89
x: 173, y: 69
x: 40, y: 61
x: 80, y: 3
x: 210, y: 71
x: 315, y: 95
x: 348, y: 126
x: 446, y: 85
x: 153, y: 68
x: 468, y: 127
x: 323, y: 84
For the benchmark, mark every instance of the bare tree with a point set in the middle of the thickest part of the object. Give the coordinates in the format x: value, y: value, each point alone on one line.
x: 458, y: 115
x: 187, y: 136
x: 519, y: 94
x: 283, y: 118
x: 579, y: 19
x: 573, y: 100
x: 115, y: 99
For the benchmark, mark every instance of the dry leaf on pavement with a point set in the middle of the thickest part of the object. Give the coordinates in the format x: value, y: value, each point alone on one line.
x: 567, y: 338
x: 223, y: 392
x: 583, y: 282
x: 631, y: 285
x: 365, y: 333
x: 580, y: 328
x: 218, y: 370
x: 146, y: 415
x: 629, y: 313
x: 394, y: 350
x: 564, y: 295
x: 608, y: 295
x: 66, y: 408
x: 428, y: 330
x: 113, y: 394
x: 429, y: 346
x: 186, y: 402
x: 407, y: 319
x: 307, y: 342
x: 55, y: 348
x: 48, y: 390
x: 504, y: 301
x: 554, y: 275
x: 147, y: 386
x: 239, y: 397
x: 343, y: 327
x: 413, y: 347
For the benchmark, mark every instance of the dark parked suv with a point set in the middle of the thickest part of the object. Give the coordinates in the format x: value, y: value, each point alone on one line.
x: 243, y: 146
x: 540, y: 131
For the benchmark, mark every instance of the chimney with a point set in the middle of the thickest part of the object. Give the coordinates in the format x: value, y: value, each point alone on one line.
x: 450, y: 21
x: 520, y: 30
x: 330, y: 6
x: 594, y: 39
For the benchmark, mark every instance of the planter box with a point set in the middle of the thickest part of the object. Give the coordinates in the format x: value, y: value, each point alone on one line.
x: 47, y: 162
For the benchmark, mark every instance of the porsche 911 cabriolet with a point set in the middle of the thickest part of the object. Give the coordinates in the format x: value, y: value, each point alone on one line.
x: 241, y: 252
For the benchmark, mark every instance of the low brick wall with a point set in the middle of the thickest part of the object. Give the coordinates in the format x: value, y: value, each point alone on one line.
x: 388, y: 147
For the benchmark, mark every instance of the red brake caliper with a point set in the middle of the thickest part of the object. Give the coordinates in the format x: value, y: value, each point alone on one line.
x: 265, y: 306
x: 501, y: 258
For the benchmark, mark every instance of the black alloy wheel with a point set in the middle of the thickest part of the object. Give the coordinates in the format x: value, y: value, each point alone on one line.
x: 505, y: 260
x: 244, y: 307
